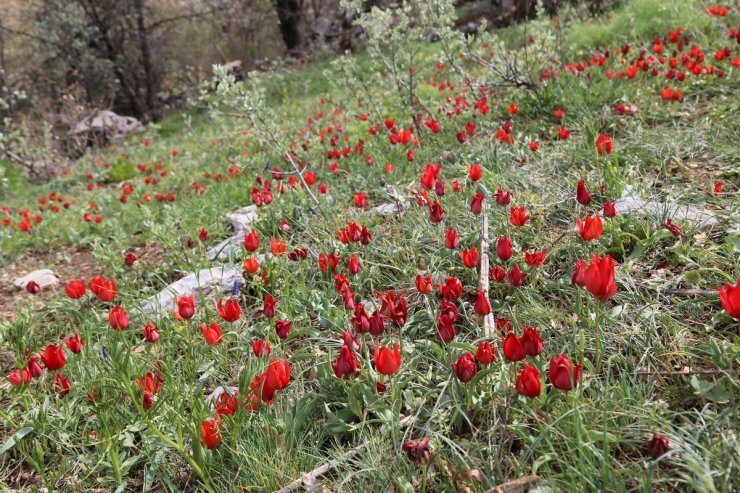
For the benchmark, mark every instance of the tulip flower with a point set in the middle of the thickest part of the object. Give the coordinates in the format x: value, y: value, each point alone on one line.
x: 609, y: 210
x: 130, y: 259
x: 449, y: 310
x: 33, y: 287
x: 436, y: 212
x: 328, y: 262
x: 261, y: 348
x: 277, y: 247
x: 502, y: 198
x: 282, y: 328
x: 563, y: 133
x: 475, y: 172
x: 515, y: 276
x: 393, y: 307
x: 531, y: 341
x: 591, y: 229
x: 231, y: 311
x: 19, y: 377
x: 33, y: 366
x: 518, y: 217
x: 74, y: 343
x: 604, y: 145
x: 277, y: 377
x: 104, y: 289
x: 470, y: 257
x: 353, y: 265
x: 451, y: 239
x: 465, y: 367
x: 582, y: 195
x: 151, y: 334
x: 482, y: 306
x: 268, y: 306
x: 498, y: 274
x: 203, y: 235
x: 673, y: 228
x: 445, y: 329
x: 535, y: 259
x: 657, y: 446
x: 209, y: 432
x: 730, y: 298
x: 212, y: 334
x: 346, y: 364
x: 75, y: 289
x: 578, y: 273
x: 118, y: 318
x: 251, y: 265
x: 563, y: 374
x: 476, y: 203
x: 424, y: 285
x: 360, y: 200
x: 485, y: 354
x: 417, y: 451
x: 251, y: 241
x: 61, y: 385
x: 387, y: 361
x: 513, y: 348
x: 528, y: 383
x: 599, y: 277
x: 186, y: 306
x: 53, y: 357
x: 503, y: 248
x: 451, y: 289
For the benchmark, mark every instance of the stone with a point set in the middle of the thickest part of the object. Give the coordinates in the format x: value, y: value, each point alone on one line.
x: 43, y: 277
x: 663, y: 210
x: 105, y: 126
x: 208, y: 283
x: 230, y: 248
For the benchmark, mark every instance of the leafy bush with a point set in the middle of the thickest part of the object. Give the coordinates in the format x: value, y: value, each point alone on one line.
x: 122, y: 170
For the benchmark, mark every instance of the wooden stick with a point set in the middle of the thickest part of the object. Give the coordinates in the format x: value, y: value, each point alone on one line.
x: 488, y: 321
x: 516, y: 486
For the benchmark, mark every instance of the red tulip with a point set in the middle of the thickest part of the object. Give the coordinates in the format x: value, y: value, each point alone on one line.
x: 261, y: 348
x: 470, y: 257
x: 377, y: 326
x: 277, y: 247
x: 503, y: 248
x: 393, y: 307
x: 518, y: 217
x: 209, y: 432
x: 74, y: 343
x: 328, y: 262
x: 515, y: 276
x: 599, y: 277
x: 33, y: 366
x: 387, y: 361
x: 657, y: 446
x: 559, y: 113
x: 485, y: 354
x: 528, y: 384
x: 513, y: 348
x: 33, y: 287
x: 604, y: 145
x: 582, y: 195
x: 212, y: 334
x: 451, y: 239
x: 563, y: 374
x: 482, y: 306
x: 104, y: 289
x: 53, y: 357
x: 730, y: 298
x: 118, y: 318
x: 563, y: 133
x: 353, y: 265
x: 498, y: 274
x: 476, y: 203
x: 424, y: 285
x: 151, y: 334
x: 186, y: 306
x: 465, y: 367
x: 451, y: 289
x: 346, y: 364
x: 417, y: 452
x: 591, y: 229
x: 75, y: 289
x: 231, y: 311
x: 436, y: 212
x: 609, y: 209
x: 531, y: 341
x: 502, y: 198
x: 449, y: 310
x: 445, y: 329
x: 674, y: 229
x: 475, y: 172
x: 61, y: 384
x: 268, y: 306
x: 129, y: 259
x: 578, y: 273
x: 19, y: 377
x: 277, y: 377
x: 535, y: 259
x: 251, y: 265
x: 282, y: 328
x: 203, y: 235
x: 360, y: 199
x: 251, y: 241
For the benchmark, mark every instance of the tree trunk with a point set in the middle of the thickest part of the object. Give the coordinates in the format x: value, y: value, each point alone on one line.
x: 289, y: 14
x: 150, y: 77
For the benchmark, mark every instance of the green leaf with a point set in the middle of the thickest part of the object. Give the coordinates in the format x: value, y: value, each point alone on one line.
x: 18, y: 436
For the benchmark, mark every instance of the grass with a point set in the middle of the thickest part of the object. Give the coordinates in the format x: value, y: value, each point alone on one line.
x: 669, y: 360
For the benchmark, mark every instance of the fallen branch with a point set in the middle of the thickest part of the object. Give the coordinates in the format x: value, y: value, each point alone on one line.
x: 518, y: 485
x: 680, y: 292
x: 483, y: 282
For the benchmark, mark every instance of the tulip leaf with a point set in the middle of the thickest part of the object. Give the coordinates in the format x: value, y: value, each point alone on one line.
x: 18, y: 436
x: 601, y: 436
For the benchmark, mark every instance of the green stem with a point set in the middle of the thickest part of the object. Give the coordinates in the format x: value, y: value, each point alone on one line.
x: 597, y: 358
x: 115, y: 461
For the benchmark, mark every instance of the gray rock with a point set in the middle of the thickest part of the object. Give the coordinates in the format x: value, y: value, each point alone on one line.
x: 208, y: 283
x: 662, y: 210
x: 43, y: 277
x: 105, y: 124
x: 240, y: 219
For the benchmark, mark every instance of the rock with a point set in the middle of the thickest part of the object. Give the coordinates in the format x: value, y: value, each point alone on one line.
x: 43, y: 277
x: 235, y: 68
x: 240, y: 219
x: 390, y: 208
x: 663, y: 210
x: 208, y: 283
x: 103, y: 126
